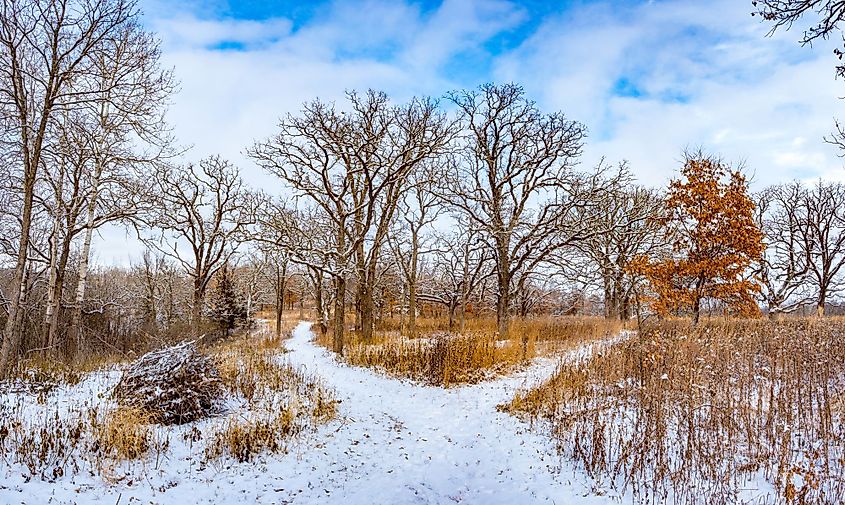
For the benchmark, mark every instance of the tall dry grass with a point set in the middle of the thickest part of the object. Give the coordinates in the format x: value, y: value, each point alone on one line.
x: 707, y: 414
x: 441, y: 358
x: 78, y: 438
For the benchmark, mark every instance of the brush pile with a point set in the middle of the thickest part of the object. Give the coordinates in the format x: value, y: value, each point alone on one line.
x: 175, y: 385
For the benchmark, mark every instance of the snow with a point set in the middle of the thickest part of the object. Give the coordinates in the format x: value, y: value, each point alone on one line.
x: 394, y: 442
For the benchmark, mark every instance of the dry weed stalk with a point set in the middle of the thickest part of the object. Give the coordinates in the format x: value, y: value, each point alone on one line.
x: 282, y: 401
x: 689, y: 415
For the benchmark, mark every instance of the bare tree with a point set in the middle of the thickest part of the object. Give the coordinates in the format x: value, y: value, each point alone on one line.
x: 822, y: 231
x: 630, y: 225
x: 516, y: 180
x: 203, y: 212
x: 148, y: 273
x: 461, y: 263
x: 533, y: 292
x: 418, y: 208
x: 46, y: 53
x: 827, y: 17
x: 126, y: 135
x: 785, y: 13
x: 274, y: 228
x: 255, y: 280
x: 353, y: 166
x: 85, y: 196
x: 783, y: 270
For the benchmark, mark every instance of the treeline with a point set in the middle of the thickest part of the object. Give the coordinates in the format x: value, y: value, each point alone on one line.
x: 474, y: 202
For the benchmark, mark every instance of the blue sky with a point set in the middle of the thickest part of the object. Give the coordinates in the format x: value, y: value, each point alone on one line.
x: 647, y: 78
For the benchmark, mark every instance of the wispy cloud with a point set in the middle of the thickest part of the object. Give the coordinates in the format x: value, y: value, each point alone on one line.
x: 648, y: 79
x: 654, y: 79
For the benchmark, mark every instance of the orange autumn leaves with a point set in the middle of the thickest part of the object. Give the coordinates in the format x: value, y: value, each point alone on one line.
x: 714, y: 239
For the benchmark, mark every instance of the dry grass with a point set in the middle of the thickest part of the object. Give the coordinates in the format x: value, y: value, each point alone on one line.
x: 290, y: 318
x: 690, y: 415
x: 440, y: 358
x: 271, y: 404
x: 243, y: 439
x: 42, y: 376
x: 538, y: 329
x: 49, y: 446
x: 282, y: 401
x: 126, y: 434
x: 44, y: 446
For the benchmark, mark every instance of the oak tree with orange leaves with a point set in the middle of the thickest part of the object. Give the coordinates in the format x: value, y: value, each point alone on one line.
x: 715, y: 240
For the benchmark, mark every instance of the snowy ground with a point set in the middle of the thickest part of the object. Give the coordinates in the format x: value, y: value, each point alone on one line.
x: 395, y: 442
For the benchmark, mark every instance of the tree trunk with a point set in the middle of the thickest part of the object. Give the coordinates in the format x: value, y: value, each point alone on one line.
x: 51, y: 299
x: 53, y: 341
x: 318, y: 305
x: 625, y: 308
x: 822, y: 301
x: 249, y: 309
x: 339, y: 314
x: 367, y: 314
x: 696, y: 311
x: 196, y: 309
x: 54, y: 260
x: 696, y: 305
x: 462, y: 316
x: 280, y: 307
x: 12, y: 332
x: 609, y: 305
x: 402, y: 313
x: 76, y: 316
x: 368, y: 307
x: 412, y: 309
x: 360, y: 287
x: 503, y: 305
x: 281, y: 278
x: 380, y: 319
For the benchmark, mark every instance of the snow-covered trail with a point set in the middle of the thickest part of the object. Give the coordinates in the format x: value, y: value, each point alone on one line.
x: 394, y: 442
x: 402, y: 443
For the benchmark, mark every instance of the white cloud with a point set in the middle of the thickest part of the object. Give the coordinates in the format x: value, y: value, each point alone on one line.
x: 701, y: 74
x: 229, y: 98
x: 188, y: 32
x: 706, y: 75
